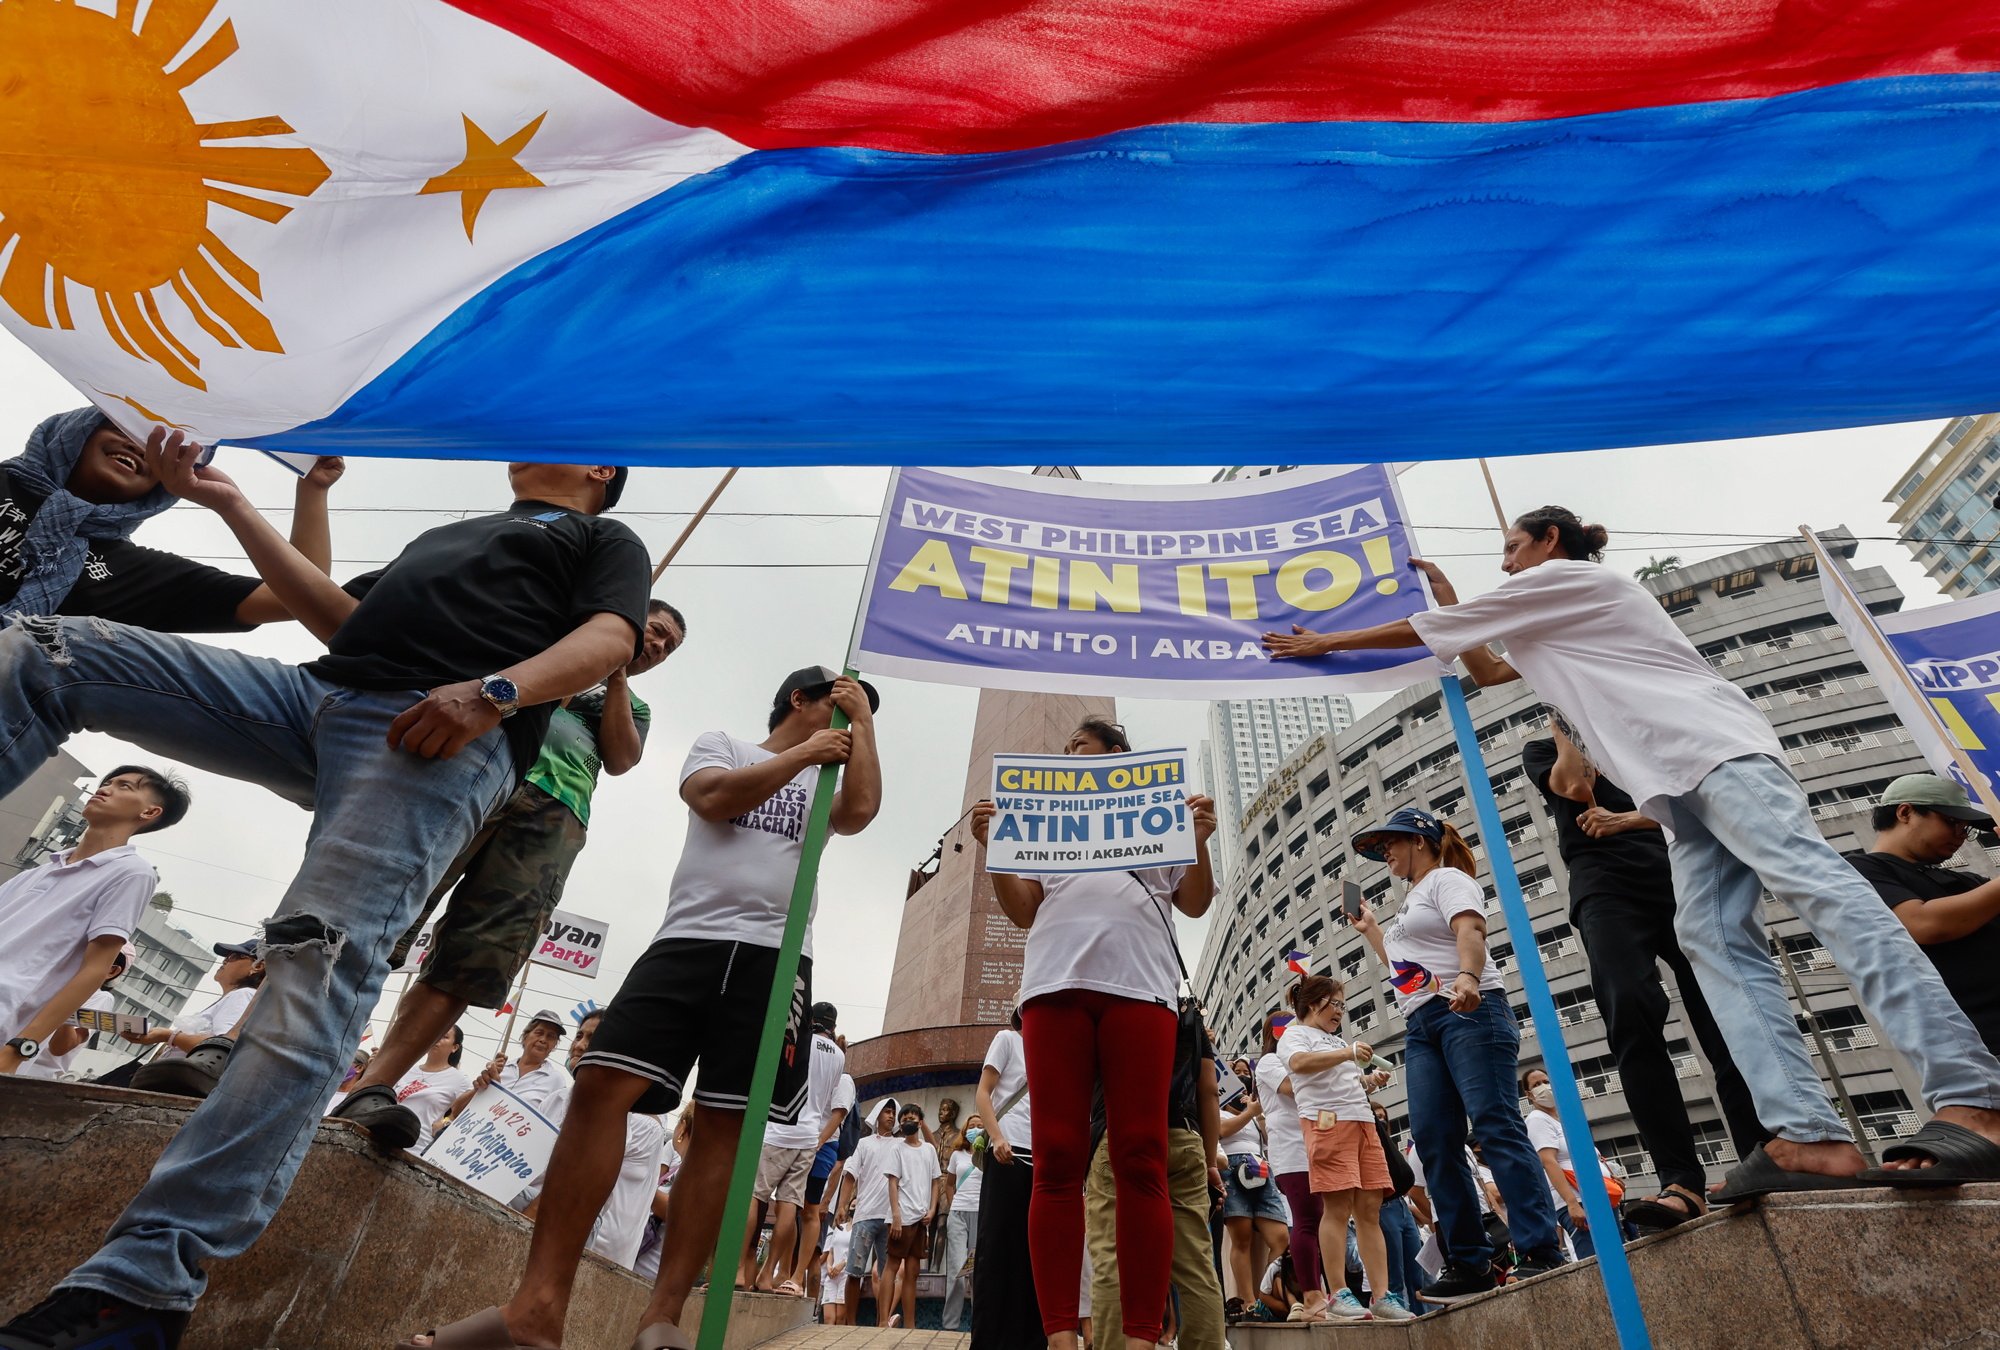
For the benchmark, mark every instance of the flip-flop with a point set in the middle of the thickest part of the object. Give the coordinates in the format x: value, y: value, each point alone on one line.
x: 1960, y: 1156
x: 663, y: 1336
x: 1757, y: 1175
x: 482, y: 1331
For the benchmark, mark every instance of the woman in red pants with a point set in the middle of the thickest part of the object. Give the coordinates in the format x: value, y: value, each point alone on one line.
x: 1099, y: 987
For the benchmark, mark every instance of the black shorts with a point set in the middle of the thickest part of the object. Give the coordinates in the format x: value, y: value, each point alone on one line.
x: 692, y: 1000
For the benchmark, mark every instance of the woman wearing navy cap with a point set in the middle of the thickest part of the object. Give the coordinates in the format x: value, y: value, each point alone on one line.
x: 1463, y: 1050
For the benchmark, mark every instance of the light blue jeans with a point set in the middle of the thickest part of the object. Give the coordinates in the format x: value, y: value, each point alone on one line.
x: 961, y: 1238
x: 386, y: 823
x: 1747, y: 828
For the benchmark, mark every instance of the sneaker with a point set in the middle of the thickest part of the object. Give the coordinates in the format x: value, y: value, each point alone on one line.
x: 1297, y: 1314
x: 1458, y: 1282
x: 1344, y: 1307
x: 1539, y: 1263
x: 83, y: 1319
x: 1389, y: 1308
x: 1232, y: 1311
x: 388, y: 1122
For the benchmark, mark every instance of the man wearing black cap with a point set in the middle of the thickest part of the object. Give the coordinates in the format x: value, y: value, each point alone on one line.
x: 509, y: 880
x: 1920, y: 822
x: 441, y: 672
x: 698, y: 995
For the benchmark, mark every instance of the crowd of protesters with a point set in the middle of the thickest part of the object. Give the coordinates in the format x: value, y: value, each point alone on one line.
x: 1113, y: 1160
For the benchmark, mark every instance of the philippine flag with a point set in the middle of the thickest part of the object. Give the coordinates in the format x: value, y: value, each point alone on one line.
x: 1299, y: 963
x: 882, y: 230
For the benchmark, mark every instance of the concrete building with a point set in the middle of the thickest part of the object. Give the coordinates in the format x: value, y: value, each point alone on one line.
x: 41, y: 814
x: 1759, y: 618
x: 1944, y: 507
x: 170, y: 969
x: 1249, y: 738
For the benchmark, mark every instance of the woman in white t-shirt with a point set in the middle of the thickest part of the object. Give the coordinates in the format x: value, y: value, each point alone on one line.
x: 239, y: 975
x: 430, y: 1088
x: 1551, y: 1145
x: 1099, y: 980
x: 1462, y: 1049
x: 1349, y: 1172
x: 962, y: 1178
x: 1290, y: 1168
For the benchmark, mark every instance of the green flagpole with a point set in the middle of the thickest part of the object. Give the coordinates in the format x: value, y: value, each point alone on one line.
x: 743, y: 1174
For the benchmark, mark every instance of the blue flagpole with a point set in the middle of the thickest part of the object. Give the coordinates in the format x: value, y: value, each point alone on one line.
x: 1612, y: 1267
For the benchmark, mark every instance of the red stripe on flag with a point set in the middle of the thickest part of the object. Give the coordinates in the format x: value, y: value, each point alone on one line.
x: 957, y: 76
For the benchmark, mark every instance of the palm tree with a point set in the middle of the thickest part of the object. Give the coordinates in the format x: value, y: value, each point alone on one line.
x: 1658, y: 567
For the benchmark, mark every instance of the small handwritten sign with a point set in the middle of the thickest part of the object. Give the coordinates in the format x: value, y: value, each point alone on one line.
x: 498, y: 1144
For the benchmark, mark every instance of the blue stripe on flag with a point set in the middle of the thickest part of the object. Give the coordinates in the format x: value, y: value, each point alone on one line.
x: 1316, y: 292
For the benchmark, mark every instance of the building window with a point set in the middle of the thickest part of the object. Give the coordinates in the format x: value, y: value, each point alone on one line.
x: 1736, y: 583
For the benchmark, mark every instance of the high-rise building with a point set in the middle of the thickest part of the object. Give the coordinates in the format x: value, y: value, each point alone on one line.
x: 1249, y: 738
x: 1945, y: 506
x: 1760, y: 619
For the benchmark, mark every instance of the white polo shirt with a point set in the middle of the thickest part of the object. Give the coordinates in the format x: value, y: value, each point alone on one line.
x: 50, y: 914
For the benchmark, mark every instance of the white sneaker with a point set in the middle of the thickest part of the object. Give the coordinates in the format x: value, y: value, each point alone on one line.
x: 1346, y: 1308
x: 1389, y: 1308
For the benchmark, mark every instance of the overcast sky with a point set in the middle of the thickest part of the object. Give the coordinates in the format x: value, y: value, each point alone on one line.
x: 751, y: 622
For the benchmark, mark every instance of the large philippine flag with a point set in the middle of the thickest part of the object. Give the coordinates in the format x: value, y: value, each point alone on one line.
x: 776, y: 231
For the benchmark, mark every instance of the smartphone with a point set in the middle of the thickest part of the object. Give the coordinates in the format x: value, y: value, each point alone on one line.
x: 1350, y: 899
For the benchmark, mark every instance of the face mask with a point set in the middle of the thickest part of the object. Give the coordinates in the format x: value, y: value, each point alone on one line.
x: 975, y: 1139
x: 1543, y: 1095
x: 908, y: 1127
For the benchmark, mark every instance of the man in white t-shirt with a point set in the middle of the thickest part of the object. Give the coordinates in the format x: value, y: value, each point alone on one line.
x: 62, y: 924
x: 864, y: 1205
x: 1698, y: 757
x: 915, y: 1179
x: 699, y: 993
x: 783, y: 1170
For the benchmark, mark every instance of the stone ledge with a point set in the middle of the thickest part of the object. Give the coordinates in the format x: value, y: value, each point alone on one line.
x: 365, y: 1249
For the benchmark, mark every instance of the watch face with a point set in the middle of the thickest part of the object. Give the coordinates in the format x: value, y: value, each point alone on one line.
x: 503, y: 689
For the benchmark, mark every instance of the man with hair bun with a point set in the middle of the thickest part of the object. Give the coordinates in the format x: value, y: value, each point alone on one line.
x: 1644, y: 708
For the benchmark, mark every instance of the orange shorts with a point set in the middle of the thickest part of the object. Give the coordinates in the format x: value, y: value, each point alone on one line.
x: 1345, y: 1156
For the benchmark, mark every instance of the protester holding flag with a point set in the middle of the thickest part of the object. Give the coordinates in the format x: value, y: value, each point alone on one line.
x: 1291, y: 1169
x: 699, y: 996
x: 1463, y: 1049
x: 1099, y: 981
x: 68, y: 506
x: 1700, y: 759
x: 504, y: 886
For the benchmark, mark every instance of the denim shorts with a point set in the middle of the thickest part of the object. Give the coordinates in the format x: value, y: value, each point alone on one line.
x: 1263, y: 1202
x: 868, y: 1248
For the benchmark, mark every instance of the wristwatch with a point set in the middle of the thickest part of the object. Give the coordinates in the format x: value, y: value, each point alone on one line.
x: 502, y: 693
x: 24, y: 1047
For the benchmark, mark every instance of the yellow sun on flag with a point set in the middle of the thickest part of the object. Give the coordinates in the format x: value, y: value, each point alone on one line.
x: 106, y: 179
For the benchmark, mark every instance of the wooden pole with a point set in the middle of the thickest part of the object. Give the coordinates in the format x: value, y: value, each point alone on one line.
x: 702, y: 511
x: 1829, y: 567
x: 520, y: 992
x: 1493, y: 494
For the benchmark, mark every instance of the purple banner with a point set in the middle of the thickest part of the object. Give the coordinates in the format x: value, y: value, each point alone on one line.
x: 1014, y: 581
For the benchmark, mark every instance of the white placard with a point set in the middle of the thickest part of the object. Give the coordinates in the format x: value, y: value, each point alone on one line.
x: 1090, y: 813
x: 497, y: 1145
x: 420, y: 950
x: 573, y: 943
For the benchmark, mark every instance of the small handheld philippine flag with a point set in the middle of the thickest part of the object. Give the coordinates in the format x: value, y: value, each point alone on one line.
x: 1299, y: 962
x: 1410, y: 979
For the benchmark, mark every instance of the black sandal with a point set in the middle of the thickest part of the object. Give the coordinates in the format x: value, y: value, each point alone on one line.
x: 1958, y: 1156
x: 1659, y: 1214
x: 1758, y: 1175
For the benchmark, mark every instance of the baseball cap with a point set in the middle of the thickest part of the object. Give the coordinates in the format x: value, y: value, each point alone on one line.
x: 1409, y: 820
x: 615, y: 489
x: 554, y: 1019
x: 225, y: 950
x: 825, y: 1016
x: 1937, y: 794
x: 818, y: 677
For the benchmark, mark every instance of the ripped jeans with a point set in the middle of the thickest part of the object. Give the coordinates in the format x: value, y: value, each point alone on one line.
x: 386, y: 823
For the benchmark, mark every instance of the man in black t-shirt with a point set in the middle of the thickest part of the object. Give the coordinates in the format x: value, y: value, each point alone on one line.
x: 68, y: 505
x: 436, y: 690
x: 1621, y: 893
x: 1921, y: 821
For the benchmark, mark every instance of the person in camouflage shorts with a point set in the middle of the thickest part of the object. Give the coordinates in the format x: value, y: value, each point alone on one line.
x: 498, y: 894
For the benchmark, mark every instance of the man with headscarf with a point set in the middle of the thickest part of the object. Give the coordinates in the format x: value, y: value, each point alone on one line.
x: 68, y: 506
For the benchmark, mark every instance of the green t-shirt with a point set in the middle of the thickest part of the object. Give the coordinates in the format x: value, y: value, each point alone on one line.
x: 567, y: 767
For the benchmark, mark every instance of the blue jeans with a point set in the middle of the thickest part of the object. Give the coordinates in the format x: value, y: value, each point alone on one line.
x: 1579, y: 1237
x: 1747, y: 828
x: 1459, y: 1065
x: 1399, y: 1227
x: 386, y: 823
